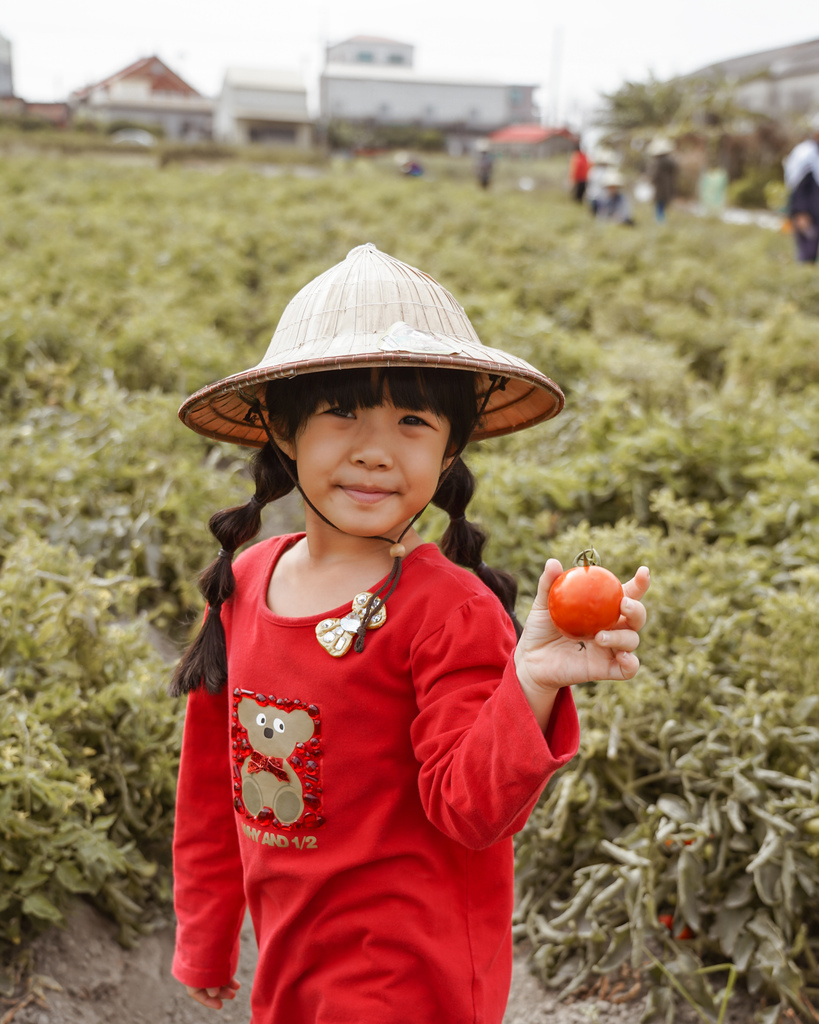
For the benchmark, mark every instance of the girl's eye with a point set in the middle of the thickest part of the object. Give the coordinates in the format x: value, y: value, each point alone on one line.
x: 414, y: 421
x: 346, y: 414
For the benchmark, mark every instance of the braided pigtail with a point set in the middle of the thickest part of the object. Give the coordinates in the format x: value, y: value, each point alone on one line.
x: 205, y: 661
x: 463, y: 542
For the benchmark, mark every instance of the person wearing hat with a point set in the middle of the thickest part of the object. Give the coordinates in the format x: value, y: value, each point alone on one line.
x: 364, y: 731
x: 663, y: 174
x: 802, y: 181
x: 602, y: 161
x: 614, y: 204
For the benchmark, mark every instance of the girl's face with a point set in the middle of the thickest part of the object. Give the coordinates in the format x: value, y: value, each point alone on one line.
x: 369, y: 470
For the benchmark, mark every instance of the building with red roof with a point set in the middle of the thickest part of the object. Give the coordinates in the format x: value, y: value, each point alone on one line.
x: 147, y: 92
x: 531, y: 140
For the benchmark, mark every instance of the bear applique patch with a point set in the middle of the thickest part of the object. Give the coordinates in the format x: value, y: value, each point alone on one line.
x: 276, y: 760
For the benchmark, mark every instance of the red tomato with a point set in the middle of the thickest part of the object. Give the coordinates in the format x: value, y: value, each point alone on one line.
x: 685, y: 934
x: 585, y: 600
x: 667, y: 920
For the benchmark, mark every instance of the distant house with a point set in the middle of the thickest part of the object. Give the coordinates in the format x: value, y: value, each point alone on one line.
x: 263, y: 106
x: 147, y: 92
x: 369, y: 80
x: 773, y: 82
x: 531, y: 140
x: 371, y: 50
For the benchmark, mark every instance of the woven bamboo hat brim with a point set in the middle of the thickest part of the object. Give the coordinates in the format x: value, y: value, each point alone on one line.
x: 373, y: 310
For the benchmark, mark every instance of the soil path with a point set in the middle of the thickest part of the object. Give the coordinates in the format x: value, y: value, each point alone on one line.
x: 85, y: 977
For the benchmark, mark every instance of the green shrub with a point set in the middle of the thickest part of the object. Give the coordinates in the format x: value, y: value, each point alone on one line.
x: 112, y: 475
x: 88, y: 746
x: 752, y: 190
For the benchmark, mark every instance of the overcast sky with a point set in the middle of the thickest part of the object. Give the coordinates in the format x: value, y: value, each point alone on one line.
x: 572, y: 50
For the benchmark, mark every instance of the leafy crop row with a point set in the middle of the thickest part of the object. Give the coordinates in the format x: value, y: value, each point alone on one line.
x: 687, y: 352
x: 88, y: 745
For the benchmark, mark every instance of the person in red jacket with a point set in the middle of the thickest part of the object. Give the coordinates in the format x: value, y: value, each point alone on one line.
x: 365, y: 732
x: 578, y: 173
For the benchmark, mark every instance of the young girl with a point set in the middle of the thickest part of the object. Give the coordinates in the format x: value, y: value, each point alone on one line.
x: 364, y: 735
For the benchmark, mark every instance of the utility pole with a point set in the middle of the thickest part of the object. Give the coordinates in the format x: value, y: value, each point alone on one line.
x: 554, y: 78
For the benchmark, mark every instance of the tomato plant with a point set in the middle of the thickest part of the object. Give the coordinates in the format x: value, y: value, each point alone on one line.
x: 585, y: 599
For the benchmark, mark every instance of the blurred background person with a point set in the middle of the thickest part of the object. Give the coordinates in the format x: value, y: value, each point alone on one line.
x: 578, y: 173
x: 483, y: 164
x: 802, y: 181
x: 615, y: 204
x: 663, y: 174
x: 602, y: 160
x: 407, y: 164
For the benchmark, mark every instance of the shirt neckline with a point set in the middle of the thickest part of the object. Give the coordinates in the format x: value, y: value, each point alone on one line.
x: 311, y: 620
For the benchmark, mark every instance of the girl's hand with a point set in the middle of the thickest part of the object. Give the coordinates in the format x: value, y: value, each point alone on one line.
x: 213, y: 997
x: 546, y: 660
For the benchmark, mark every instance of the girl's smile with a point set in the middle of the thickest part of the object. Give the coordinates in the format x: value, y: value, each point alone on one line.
x: 365, y: 495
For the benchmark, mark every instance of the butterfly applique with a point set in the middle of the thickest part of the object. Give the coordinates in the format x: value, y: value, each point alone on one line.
x: 336, y: 635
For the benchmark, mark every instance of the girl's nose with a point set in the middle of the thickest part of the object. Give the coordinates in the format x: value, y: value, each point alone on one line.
x: 372, y: 453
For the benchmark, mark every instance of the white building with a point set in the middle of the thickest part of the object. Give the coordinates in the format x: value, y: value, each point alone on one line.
x: 258, y: 105
x: 372, y: 81
x: 774, y: 82
x: 371, y: 50
x: 147, y: 92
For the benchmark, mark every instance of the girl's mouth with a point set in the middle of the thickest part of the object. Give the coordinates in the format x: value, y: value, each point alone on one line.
x: 365, y: 497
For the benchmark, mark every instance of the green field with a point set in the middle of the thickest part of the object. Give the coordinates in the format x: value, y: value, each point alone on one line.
x: 689, y: 354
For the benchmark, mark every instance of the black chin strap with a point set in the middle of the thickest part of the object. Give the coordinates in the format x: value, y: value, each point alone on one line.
x: 397, y: 549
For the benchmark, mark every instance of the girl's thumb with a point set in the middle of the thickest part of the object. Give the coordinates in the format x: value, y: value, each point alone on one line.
x: 551, y: 570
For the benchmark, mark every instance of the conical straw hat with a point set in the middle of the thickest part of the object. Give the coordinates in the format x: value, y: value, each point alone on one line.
x: 373, y: 310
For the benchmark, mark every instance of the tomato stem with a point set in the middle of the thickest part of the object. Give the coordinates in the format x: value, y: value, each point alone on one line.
x: 588, y: 556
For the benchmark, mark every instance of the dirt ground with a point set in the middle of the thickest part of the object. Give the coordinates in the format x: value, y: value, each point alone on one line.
x: 84, y: 977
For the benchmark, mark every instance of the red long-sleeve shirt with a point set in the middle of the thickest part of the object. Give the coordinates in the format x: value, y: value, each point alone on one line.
x: 578, y: 167
x: 383, y: 892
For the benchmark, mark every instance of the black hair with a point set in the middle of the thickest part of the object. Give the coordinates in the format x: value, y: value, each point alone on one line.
x: 289, y: 403
x: 447, y: 393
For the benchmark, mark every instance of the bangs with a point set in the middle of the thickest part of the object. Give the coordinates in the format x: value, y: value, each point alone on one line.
x: 446, y: 393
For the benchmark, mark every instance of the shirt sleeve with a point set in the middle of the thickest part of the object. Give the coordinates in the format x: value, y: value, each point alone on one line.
x: 484, y: 759
x: 208, y: 890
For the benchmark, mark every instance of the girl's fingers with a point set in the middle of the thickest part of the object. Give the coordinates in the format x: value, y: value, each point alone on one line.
x: 633, y: 614
x: 628, y: 664
x: 201, y: 996
x: 551, y: 570
x: 638, y: 584
x: 618, y: 639
x: 213, y: 997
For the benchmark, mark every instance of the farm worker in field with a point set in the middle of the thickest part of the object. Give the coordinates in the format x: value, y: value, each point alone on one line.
x: 614, y: 205
x: 802, y: 181
x: 484, y: 163
x: 578, y: 173
x: 408, y: 165
x: 365, y: 732
x: 603, y: 160
x: 663, y: 174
